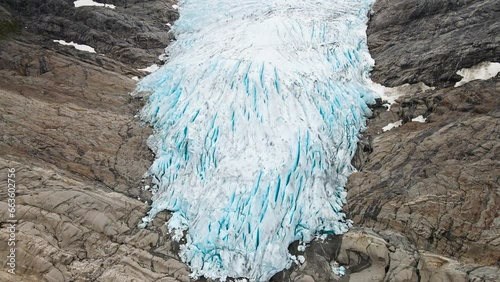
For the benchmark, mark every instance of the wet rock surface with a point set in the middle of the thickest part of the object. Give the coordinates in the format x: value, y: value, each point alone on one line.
x: 424, y: 202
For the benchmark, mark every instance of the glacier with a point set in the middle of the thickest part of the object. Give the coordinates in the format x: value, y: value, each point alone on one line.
x: 256, y: 118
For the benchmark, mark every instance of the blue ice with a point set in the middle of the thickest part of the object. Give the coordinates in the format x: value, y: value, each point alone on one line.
x: 256, y: 117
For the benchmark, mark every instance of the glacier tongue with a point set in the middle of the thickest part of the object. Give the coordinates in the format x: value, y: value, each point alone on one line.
x: 256, y: 117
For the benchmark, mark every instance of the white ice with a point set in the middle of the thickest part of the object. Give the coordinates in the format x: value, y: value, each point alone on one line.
x: 82, y: 3
x: 256, y: 117
x: 80, y: 47
x: 483, y: 71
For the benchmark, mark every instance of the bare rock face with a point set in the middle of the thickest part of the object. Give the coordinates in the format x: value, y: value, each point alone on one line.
x: 69, y: 231
x: 72, y: 114
x: 434, y: 184
x: 428, y: 41
x: 425, y: 200
x: 67, y: 127
x: 437, y: 182
x: 368, y: 255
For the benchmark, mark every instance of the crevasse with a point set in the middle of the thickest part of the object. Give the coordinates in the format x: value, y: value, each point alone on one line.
x: 256, y: 117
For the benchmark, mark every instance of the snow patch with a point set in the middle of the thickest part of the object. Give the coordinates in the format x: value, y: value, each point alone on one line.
x: 163, y: 57
x: 301, y: 248
x: 398, y: 123
x: 420, y: 118
x: 482, y: 71
x: 392, y: 125
x: 82, y: 3
x: 80, y: 47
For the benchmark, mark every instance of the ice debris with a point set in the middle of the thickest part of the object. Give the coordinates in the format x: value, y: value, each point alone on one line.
x: 82, y: 3
x: 338, y: 269
x: 420, y: 118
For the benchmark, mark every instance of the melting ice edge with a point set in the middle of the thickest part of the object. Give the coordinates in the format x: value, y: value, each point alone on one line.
x: 256, y: 118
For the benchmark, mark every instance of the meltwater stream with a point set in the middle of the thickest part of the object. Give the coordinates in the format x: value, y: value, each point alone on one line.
x: 256, y: 116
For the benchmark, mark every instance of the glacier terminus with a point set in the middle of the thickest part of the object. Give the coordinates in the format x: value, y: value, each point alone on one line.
x: 256, y: 118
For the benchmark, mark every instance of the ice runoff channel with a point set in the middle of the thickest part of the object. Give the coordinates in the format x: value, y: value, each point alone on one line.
x: 256, y: 119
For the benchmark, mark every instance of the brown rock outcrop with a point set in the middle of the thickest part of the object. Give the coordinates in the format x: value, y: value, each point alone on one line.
x: 134, y: 33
